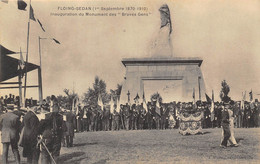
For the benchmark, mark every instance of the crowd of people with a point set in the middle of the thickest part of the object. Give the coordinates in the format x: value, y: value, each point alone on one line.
x: 12, y: 102
x: 34, y: 129
x: 49, y: 126
x: 136, y: 117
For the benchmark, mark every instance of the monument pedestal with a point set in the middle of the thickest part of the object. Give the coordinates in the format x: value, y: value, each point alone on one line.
x: 167, y: 76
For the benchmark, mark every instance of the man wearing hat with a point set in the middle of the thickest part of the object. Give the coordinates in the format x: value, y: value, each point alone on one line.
x: 10, y: 126
x: 51, y: 128
x: 29, y: 139
x: 225, y: 124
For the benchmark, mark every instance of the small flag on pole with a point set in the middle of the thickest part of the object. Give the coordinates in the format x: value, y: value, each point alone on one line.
x: 157, y: 107
x: 111, y: 104
x: 21, y: 64
x: 251, y: 95
x: 32, y: 14
x: 207, y: 97
x: 56, y: 41
x: 118, y: 106
x: 128, y: 97
x: 40, y: 24
x: 194, y: 101
x: 100, y: 103
x: 144, y: 104
x: 212, y: 107
x: 21, y: 4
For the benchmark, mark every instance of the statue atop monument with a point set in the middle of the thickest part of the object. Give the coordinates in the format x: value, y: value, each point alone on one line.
x: 161, y: 45
x: 165, y: 17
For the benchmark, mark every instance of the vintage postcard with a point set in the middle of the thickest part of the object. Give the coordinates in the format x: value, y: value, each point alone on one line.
x: 129, y: 81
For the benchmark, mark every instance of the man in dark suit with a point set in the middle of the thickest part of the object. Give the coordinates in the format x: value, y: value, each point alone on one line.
x: 52, y: 129
x: 29, y: 139
x: 70, y: 124
x: 10, y: 126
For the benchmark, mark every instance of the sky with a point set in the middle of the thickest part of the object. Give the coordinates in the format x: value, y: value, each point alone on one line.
x: 225, y: 34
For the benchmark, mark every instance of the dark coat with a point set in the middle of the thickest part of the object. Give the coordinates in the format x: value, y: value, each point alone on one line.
x: 46, y: 126
x: 70, y: 124
x: 10, y: 126
x: 30, y: 133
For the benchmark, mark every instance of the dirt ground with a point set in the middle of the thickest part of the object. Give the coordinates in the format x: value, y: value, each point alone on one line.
x: 160, y: 146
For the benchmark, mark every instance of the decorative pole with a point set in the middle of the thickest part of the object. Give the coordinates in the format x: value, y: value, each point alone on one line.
x: 27, y: 52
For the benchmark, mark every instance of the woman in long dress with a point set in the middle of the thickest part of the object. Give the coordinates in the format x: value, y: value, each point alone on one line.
x: 232, y: 139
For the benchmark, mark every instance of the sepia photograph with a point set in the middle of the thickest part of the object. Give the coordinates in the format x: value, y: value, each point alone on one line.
x: 129, y: 81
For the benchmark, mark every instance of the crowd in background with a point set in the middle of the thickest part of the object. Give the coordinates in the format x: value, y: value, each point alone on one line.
x: 135, y: 117
x: 13, y: 101
x: 138, y: 117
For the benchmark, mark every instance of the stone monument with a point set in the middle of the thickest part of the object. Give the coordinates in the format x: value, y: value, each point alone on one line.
x: 174, y: 78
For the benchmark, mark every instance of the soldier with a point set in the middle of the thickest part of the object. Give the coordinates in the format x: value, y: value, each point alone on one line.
x: 89, y: 113
x: 52, y: 129
x: 149, y: 117
x: 246, y: 116
x: 165, y: 115
x: 105, y: 119
x: 10, y: 127
x: 116, y: 120
x: 140, y: 116
x: 29, y: 138
x: 134, y: 117
x: 93, y: 119
x: 125, y: 116
x: 70, y: 125
x: 85, y: 119
x: 225, y: 125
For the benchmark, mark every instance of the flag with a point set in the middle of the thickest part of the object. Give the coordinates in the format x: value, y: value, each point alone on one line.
x: 100, y: 103
x: 76, y: 105
x: 207, y: 97
x: 136, y: 99
x: 118, y: 106
x: 21, y: 4
x: 242, y: 106
x: 212, y: 107
x: 32, y: 14
x: 40, y: 24
x: 5, y: 1
x: 157, y: 107
x: 56, y: 41
x: 111, y: 104
x: 251, y: 95
x: 144, y: 104
x: 194, y: 101
x: 21, y: 64
x: 128, y: 97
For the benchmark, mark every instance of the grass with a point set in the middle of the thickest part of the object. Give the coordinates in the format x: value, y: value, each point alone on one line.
x: 161, y: 146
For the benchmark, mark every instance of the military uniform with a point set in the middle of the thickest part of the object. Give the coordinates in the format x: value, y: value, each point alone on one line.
x: 70, y: 125
x: 149, y: 118
x: 225, y: 127
x: 125, y: 116
x: 52, y: 129
x: 116, y: 119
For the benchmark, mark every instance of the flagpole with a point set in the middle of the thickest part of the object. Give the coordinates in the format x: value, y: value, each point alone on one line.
x: 199, y: 87
x: 40, y: 74
x: 27, y: 52
x: 20, y: 83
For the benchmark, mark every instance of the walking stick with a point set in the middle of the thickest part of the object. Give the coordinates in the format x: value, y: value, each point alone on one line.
x: 48, y: 152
